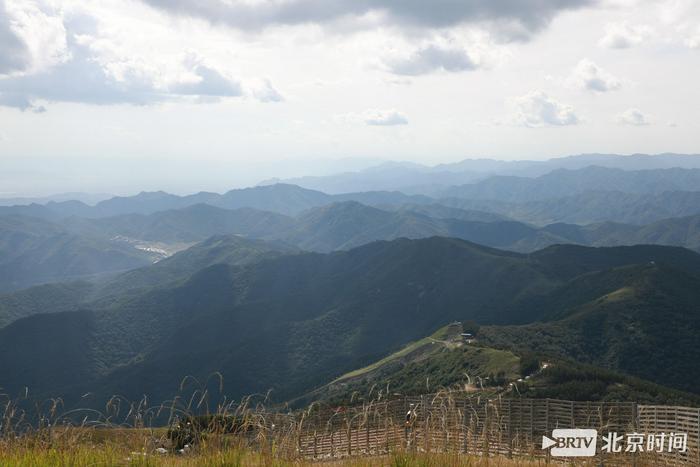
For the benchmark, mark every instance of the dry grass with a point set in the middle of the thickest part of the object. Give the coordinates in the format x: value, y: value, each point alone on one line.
x: 243, y: 433
x: 118, y: 453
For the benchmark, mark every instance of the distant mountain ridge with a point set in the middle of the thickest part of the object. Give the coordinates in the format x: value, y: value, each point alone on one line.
x: 80, y: 247
x: 656, y: 206
x: 591, y: 207
x: 512, y: 181
x: 280, y: 198
x: 530, y: 168
x: 565, y: 182
x: 87, y: 198
x: 583, y: 195
x: 421, y: 179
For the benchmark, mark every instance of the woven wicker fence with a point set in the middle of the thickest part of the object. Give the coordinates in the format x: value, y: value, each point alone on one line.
x: 474, y: 425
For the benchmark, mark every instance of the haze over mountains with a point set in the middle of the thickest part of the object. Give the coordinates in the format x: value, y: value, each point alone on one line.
x: 516, y: 213
x: 284, y: 287
x: 77, y: 247
x: 415, y: 178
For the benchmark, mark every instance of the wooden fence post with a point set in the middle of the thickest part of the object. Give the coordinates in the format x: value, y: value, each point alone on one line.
x: 532, y: 422
x: 386, y: 424
x: 348, y: 423
x: 426, y: 426
x: 367, y: 423
x: 487, y: 437
x: 510, y: 428
x: 465, y: 428
x: 573, y: 422
x: 301, y: 426
x: 546, y: 427
x: 332, y: 441
x: 407, y: 441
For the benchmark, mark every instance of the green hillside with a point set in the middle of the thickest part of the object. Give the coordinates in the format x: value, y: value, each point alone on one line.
x: 427, y: 365
x: 568, y: 380
x: 42, y: 299
x: 221, y: 249
x: 440, y: 362
x: 57, y: 355
x: 294, y: 322
x: 643, y: 322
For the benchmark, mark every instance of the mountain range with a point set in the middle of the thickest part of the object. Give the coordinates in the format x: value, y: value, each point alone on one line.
x: 519, y: 194
x: 421, y: 179
x: 290, y: 321
x: 591, y: 262
x: 564, y: 182
x: 280, y: 198
x: 106, y: 245
x: 591, y: 207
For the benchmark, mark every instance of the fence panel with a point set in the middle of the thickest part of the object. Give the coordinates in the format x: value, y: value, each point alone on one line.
x: 468, y: 424
x: 658, y: 419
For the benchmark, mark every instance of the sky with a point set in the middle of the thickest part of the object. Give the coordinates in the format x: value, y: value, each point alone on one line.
x: 182, y: 95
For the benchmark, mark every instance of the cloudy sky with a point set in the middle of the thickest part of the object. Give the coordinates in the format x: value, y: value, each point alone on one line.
x: 122, y: 95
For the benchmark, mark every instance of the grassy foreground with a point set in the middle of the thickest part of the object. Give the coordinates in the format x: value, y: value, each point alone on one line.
x: 113, y: 455
x: 127, y: 447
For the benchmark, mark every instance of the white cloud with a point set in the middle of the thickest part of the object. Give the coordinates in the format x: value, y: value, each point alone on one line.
x: 32, y: 37
x: 376, y: 117
x: 623, y: 35
x: 431, y: 58
x: 587, y: 75
x: 454, y: 51
x: 373, y: 117
x: 537, y: 109
x: 126, y: 52
x: 208, y: 82
x: 72, y: 58
x: 265, y: 92
x: 633, y: 117
x: 14, y: 55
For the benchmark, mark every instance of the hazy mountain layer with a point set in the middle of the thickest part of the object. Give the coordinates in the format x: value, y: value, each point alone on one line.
x: 33, y: 251
x: 592, y: 207
x: 563, y: 182
x: 421, y: 179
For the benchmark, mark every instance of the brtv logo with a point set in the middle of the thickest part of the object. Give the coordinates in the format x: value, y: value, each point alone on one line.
x: 571, y: 442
